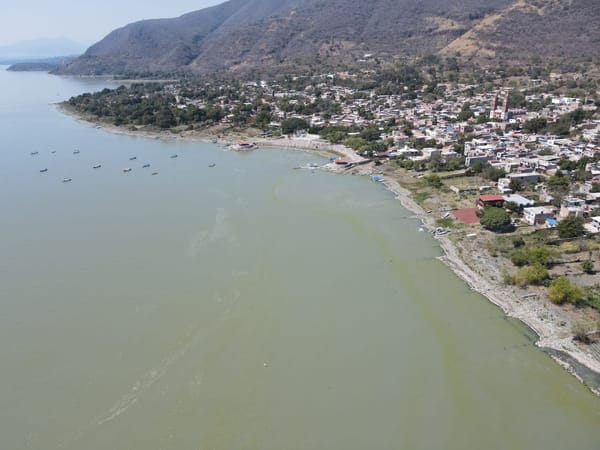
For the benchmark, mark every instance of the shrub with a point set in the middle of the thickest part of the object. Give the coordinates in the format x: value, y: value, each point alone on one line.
x: 434, y: 181
x: 581, y: 332
x: 518, y: 242
x: 445, y: 222
x: 491, y: 249
x: 588, y: 266
x: 561, y: 291
x: 519, y: 257
x: 535, y: 274
x: 542, y: 255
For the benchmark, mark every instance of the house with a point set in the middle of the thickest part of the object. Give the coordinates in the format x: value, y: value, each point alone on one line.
x: 594, y: 225
x: 486, y: 201
x: 519, y: 200
x: 525, y: 178
x: 537, y: 215
x: 572, y: 207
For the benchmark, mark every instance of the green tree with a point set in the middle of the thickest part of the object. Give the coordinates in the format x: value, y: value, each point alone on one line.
x: 465, y: 113
x: 570, y: 227
x: 289, y: 126
x: 537, y: 125
x: 516, y: 185
x: 165, y: 118
x: 558, y: 182
x: 495, y: 219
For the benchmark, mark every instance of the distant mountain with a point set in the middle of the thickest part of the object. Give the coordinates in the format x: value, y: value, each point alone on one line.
x: 40, y: 65
x: 40, y: 49
x: 243, y: 34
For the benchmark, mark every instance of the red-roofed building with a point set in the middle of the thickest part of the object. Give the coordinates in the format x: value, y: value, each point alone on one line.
x: 496, y: 201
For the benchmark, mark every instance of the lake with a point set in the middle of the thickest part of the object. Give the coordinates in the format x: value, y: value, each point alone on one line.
x: 241, y: 306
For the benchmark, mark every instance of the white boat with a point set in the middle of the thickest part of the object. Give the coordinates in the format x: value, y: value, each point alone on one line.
x: 67, y: 180
x: 97, y: 166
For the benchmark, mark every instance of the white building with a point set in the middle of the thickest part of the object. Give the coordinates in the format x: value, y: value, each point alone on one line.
x: 537, y: 215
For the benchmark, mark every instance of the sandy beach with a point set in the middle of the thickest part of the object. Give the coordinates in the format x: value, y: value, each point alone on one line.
x: 464, y: 256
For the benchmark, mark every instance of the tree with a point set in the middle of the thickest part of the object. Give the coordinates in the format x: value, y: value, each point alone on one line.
x: 535, y: 125
x: 165, y: 118
x: 494, y: 173
x: 465, y: 113
x: 558, y: 182
x: 515, y: 185
x: 570, y: 227
x: 495, y: 219
x: 289, y: 126
x: 561, y: 291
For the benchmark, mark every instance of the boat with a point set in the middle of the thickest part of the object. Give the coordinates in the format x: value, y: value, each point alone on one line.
x: 76, y: 152
x: 53, y: 152
x: 174, y: 155
x: 377, y: 178
x: 133, y: 158
x: 33, y: 153
x: 243, y: 146
x: 127, y: 169
x: 97, y: 166
x: 145, y: 166
x: 67, y: 180
x: 154, y: 173
x: 44, y: 170
x: 212, y: 165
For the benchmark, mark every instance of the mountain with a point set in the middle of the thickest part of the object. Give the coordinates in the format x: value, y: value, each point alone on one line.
x: 40, y: 49
x: 243, y: 34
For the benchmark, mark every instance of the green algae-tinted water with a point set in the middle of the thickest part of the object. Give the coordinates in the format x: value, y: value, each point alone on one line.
x: 244, y: 306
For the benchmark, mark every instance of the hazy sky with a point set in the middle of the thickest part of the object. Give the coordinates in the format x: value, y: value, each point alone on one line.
x: 83, y: 20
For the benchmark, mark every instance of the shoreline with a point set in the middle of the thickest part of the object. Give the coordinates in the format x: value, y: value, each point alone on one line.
x: 550, y: 323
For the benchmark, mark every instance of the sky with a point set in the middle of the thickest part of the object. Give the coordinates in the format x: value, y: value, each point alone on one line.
x: 83, y: 21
